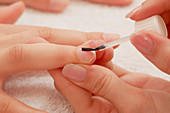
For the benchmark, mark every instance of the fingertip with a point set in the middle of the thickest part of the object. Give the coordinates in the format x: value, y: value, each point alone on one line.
x: 10, y: 14
x: 18, y: 7
x: 104, y: 56
x: 87, y: 57
x: 58, y: 5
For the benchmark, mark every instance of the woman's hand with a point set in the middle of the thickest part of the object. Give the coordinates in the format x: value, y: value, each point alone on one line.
x: 153, y: 46
x: 97, y: 89
x: 36, y: 48
x: 150, y: 8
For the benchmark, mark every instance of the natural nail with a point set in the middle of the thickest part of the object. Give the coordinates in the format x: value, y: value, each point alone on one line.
x: 86, y: 57
x: 75, y: 72
x: 134, y: 11
x: 143, y: 43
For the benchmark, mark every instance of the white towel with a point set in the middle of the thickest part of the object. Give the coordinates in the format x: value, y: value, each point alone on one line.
x: 36, y: 88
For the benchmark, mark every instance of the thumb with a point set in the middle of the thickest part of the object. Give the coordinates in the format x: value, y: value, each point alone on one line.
x: 149, y: 8
x: 154, y: 47
x: 103, y: 82
x: 10, y: 14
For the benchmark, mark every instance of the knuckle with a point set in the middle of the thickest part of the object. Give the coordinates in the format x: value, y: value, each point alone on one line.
x: 101, y: 84
x: 139, y: 99
x: 16, y: 54
x: 45, y: 33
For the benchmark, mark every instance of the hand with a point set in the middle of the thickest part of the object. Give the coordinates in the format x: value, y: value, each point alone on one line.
x: 153, y: 46
x: 150, y: 8
x: 36, y: 48
x: 96, y: 89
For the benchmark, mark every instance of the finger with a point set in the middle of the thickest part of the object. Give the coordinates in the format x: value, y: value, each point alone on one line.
x: 79, y: 98
x: 41, y: 56
x: 101, y: 56
x: 104, y: 56
x: 11, y: 105
x: 45, y: 5
x: 120, y: 72
x: 137, y: 79
x: 154, y: 47
x: 35, y: 40
x: 10, y: 14
x: 113, y: 2
x: 48, y: 5
x: 146, y: 82
x: 149, y: 8
x: 66, y: 37
x: 102, y: 82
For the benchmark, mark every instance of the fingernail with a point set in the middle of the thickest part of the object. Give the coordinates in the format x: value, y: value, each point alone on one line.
x: 108, y: 37
x: 100, y: 42
x: 134, y: 11
x: 86, y: 57
x: 75, y: 72
x: 143, y: 43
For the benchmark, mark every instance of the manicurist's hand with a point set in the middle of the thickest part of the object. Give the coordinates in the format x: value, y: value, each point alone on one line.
x: 35, y: 48
x: 150, y: 8
x: 153, y: 46
x: 111, y: 89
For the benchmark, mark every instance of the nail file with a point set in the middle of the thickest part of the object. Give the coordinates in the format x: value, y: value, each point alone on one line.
x: 154, y: 23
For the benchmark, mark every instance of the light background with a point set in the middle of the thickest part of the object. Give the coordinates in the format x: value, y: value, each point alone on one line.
x: 36, y: 88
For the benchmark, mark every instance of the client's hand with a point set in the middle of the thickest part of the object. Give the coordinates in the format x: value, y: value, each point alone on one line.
x: 97, y: 89
x: 35, y: 48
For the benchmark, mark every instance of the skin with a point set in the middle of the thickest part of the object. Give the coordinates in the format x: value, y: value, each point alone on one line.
x: 60, y: 5
x: 106, y: 88
x: 156, y: 7
x: 10, y: 14
x: 41, y: 46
